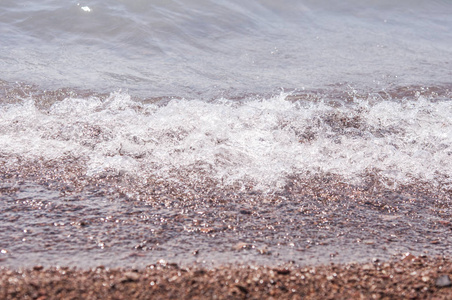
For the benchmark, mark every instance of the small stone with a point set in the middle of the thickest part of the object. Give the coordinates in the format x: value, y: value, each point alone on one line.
x: 409, y: 257
x: 83, y: 223
x: 38, y: 268
x: 240, y: 246
x: 443, y: 281
x: 173, y: 265
x: 130, y: 277
x: 264, y: 251
x: 199, y: 272
x: 282, y: 271
x: 242, y: 288
x: 445, y: 223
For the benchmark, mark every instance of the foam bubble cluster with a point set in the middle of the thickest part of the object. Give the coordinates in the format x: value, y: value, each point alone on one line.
x: 260, y: 142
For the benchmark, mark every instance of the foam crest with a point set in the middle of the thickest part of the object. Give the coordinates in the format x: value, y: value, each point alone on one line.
x: 258, y: 142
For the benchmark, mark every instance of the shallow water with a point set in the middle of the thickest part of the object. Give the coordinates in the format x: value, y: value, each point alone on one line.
x: 215, y: 48
x: 315, y: 222
x: 221, y: 132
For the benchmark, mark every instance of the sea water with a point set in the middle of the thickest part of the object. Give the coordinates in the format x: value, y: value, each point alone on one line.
x: 166, y: 127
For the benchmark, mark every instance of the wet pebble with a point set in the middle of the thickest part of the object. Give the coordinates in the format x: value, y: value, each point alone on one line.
x: 207, y: 230
x: 408, y: 257
x: 38, y: 268
x: 242, y: 288
x: 282, y: 271
x: 264, y: 251
x: 241, y: 246
x: 130, y: 277
x: 443, y: 281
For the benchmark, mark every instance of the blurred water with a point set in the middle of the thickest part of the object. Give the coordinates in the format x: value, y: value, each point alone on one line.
x: 211, y: 48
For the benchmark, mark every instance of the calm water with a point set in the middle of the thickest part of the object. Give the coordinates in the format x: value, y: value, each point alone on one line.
x: 222, y: 131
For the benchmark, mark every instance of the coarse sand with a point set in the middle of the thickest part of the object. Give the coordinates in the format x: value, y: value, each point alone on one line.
x: 410, y: 277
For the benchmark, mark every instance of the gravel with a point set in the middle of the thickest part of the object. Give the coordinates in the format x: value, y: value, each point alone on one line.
x: 408, y: 278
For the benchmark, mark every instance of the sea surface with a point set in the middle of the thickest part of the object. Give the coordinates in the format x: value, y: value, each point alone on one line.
x: 220, y: 132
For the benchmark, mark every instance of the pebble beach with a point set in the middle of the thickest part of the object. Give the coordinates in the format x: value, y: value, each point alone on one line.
x: 408, y: 278
x: 226, y: 149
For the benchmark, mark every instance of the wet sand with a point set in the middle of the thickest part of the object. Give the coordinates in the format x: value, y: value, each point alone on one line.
x: 408, y: 278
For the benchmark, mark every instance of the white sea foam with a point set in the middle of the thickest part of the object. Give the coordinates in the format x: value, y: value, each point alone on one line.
x: 259, y: 141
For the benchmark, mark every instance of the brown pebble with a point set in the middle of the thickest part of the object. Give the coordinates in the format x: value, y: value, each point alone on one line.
x: 409, y: 257
x: 264, y: 251
x: 38, y: 268
x: 242, y: 288
x: 240, y: 246
x: 83, y: 223
x: 282, y: 271
x: 130, y: 277
x: 445, y: 223
x: 207, y: 230
x: 199, y: 272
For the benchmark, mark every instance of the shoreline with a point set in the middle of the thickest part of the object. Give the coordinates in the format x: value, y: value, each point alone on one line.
x: 311, y: 223
x: 410, y: 277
